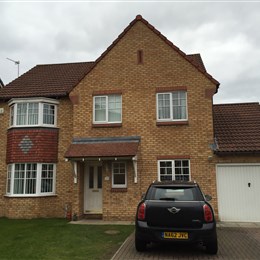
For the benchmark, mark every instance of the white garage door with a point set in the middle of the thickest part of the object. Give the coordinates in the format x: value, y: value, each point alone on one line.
x: 238, y: 187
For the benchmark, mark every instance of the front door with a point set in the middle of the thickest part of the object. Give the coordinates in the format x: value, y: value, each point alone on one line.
x: 93, y: 189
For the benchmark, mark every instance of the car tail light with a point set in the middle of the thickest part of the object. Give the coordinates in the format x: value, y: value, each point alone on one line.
x: 141, y: 212
x: 208, y: 214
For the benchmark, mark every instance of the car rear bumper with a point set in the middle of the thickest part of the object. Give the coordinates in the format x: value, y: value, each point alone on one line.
x: 155, y: 234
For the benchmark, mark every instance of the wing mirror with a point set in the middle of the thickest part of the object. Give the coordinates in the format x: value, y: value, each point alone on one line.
x: 208, y: 197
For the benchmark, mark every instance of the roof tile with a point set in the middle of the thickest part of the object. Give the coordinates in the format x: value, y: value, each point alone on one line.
x: 103, y: 147
x: 119, y: 149
x: 197, y: 60
x: 237, y: 127
x: 47, y: 80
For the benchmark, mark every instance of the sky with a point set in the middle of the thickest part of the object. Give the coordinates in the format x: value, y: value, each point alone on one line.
x: 225, y: 33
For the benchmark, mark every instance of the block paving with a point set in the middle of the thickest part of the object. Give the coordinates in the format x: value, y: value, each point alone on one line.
x: 235, y: 242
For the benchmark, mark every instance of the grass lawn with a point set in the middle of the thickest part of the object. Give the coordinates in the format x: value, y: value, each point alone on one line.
x: 56, y: 239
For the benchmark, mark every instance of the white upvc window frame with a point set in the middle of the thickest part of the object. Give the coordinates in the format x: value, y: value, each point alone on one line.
x: 38, y: 193
x: 13, y: 103
x: 9, y: 179
x: 125, y: 174
x: 173, y: 167
x: 106, y: 121
x: 170, y: 118
x: 42, y: 114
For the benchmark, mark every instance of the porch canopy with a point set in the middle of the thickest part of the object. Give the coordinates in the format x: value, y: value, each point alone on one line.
x: 103, y: 148
x: 90, y: 148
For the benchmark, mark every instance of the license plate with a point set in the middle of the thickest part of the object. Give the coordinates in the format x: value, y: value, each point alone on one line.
x: 175, y: 235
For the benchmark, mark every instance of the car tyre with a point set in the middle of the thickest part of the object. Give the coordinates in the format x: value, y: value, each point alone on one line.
x: 212, y: 247
x: 140, y: 245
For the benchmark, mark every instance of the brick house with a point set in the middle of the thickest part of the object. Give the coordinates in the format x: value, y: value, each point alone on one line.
x: 89, y: 137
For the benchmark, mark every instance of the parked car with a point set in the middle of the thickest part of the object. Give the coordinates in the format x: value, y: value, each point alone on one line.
x: 175, y: 211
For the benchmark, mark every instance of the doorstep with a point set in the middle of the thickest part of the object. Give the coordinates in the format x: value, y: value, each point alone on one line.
x: 100, y: 222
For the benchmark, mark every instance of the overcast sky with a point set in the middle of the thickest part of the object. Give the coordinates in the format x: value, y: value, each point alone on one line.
x: 227, y: 35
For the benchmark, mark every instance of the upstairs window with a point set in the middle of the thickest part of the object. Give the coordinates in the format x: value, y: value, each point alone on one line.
x: 172, y: 106
x: 33, y: 112
x: 27, y: 113
x: 107, y: 109
x: 49, y: 114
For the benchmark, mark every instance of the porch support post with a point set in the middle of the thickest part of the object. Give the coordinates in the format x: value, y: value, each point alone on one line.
x: 134, y: 159
x: 75, y: 171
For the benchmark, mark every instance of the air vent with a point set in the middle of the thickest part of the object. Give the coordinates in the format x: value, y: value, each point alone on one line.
x: 140, y: 57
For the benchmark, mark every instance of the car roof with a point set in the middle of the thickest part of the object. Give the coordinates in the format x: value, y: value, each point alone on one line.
x: 175, y: 183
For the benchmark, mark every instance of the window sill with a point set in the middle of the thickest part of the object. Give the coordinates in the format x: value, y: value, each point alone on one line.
x: 172, y: 123
x: 33, y: 126
x: 30, y: 196
x: 106, y: 125
x: 118, y: 189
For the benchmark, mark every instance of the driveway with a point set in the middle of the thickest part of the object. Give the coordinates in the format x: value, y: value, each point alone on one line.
x: 235, y: 242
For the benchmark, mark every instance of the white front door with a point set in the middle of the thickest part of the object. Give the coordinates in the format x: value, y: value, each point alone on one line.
x: 93, y: 189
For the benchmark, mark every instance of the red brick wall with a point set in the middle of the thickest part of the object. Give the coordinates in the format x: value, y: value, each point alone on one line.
x: 55, y: 142
x: 4, y: 123
x: 43, y: 145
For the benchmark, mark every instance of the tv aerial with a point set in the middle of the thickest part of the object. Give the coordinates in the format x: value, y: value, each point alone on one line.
x: 16, y: 62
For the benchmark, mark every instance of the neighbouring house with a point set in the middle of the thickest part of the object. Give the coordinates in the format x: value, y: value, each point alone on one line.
x: 237, y: 158
x: 88, y: 138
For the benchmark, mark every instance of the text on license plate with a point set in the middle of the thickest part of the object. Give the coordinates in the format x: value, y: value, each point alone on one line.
x: 175, y: 235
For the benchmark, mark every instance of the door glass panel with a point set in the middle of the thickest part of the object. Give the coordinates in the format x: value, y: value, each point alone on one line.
x: 100, y: 177
x: 91, y: 177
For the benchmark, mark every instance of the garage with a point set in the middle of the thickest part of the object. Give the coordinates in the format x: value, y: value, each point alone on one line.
x: 238, y: 188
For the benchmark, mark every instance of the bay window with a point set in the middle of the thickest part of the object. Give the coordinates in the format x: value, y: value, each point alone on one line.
x: 30, y: 179
x: 33, y: 112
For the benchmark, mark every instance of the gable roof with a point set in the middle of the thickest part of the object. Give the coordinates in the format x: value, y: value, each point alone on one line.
x: 56, y: 80
x: 53, y: 80
x: 237, y: 128
x: 195, y: 59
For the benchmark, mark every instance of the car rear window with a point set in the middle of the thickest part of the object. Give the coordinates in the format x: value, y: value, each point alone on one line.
x: 175, y: 193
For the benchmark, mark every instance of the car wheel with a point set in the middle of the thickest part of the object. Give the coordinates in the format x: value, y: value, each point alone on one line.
x: 212, y: 247
x: 140, y: 245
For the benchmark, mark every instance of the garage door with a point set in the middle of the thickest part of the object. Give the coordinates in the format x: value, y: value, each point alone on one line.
x: 238, y: 187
